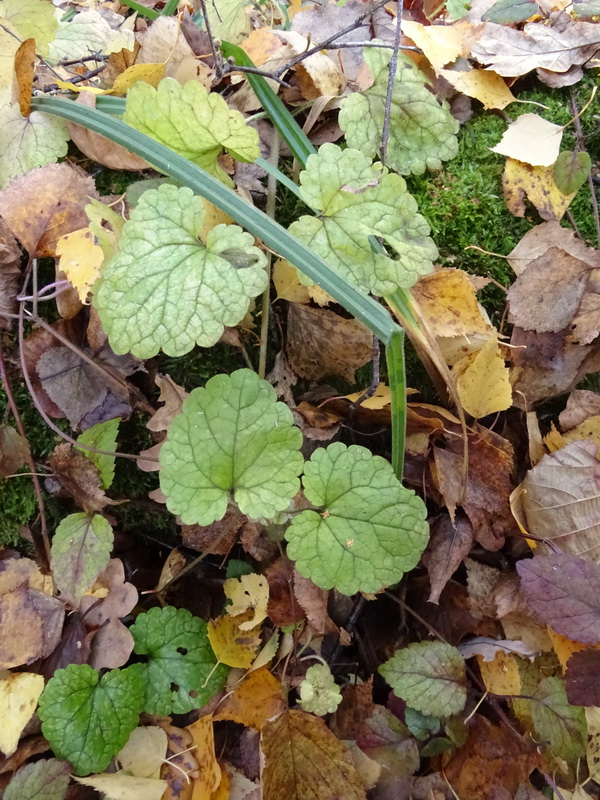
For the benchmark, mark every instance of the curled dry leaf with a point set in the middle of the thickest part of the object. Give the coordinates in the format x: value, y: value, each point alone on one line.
x: 448, y: 545
x: 78, y: 478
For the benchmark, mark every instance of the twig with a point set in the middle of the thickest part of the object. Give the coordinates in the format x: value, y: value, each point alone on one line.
x: 266, y: 298
x: 70, y: 62
x: 91, y: 73
x: 215, y: 53
x: 229, y: 67
x: 40, y: 541
x: 580, y: 144
x: 390, y: 87
x: 323, y: 45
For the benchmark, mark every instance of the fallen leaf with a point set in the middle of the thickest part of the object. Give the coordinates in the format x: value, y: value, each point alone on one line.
x: 571, y: 170
x: 532, y: 140
x: 10, y: 274
x: 44, y: 204
x: 209, y: 773
x: 581, y: 405
x: 441, y: 44
x: 489, y: 648
x: 80, y: 260
x: 47, y: 779
x: 305, y: 761
x: 20, y: 629
x: 14, y: 451
x: 77, y: 477
x: 232, y: 645
x: 500, y: 675
x: 487, y: 87
x: 164, y: 43
x: 582, y: 678
x: 282, y: 608
x: 539, y: 239
x: 388, y: 741
x: 320, y: 343
x: 19, y: 693
x: 558, y: 500
x: 521, y: 180
x: 449, y: 543
x: 118, y: 786
x: 557, y: 723
x: 287, y: 284
x: 259, y: 698
x: 24, y: 70
x: 592, y: 717
x: 148, y: 73
x: 145, y: 752
x: 249, y: 592
x: 562, y: 590
x: 482, y: 381
x: 313, y: 601
x: 180, y: 766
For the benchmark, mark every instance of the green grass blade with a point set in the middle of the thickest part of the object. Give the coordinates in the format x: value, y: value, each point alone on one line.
x: 145, y: 12
x: 394, y: 356
x: 170, y: 8
x: 289, y: 130
x: 271, y: 169
x: 360, y: 305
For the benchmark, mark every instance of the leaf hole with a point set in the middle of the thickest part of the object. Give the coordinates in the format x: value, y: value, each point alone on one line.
x: 182, y: 651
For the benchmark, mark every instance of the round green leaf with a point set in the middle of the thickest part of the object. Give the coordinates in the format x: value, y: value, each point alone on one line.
x: 429, y: 676
x: 571, y: 170
x: 28, y: 142
x: 87, y: 720
x: 192, y: 122
x: 422, y: 133
x: 356, y: 201
x: 369, y: 530
x: 165, y: 289
x: 181, y: 673
x: 232, y: 438
x: 319, y: 693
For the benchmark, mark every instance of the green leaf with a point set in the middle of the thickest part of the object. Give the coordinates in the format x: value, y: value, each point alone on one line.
x: 81, y: 549
x: 165, y: 288
x: 87, y: 32
x: 507, y: 12
x: 28, y: 142
x: 232, y: 438
x: 586, y: 10
x: 422, y: 132
x: 319, y: 693
x: 30, y: 19
x: 429, y: 676
x: 193, y: 122
x: 228, y: 19
x: 369, y: 529
x: 557, y: 722
x: 457, y: 9
x: 45, y: 780
x: 87, y: 720
x: 357, y: 200
x: 182, y: 672
x: 571, y: 169
x: 102, y: 436
x: 422, y: 726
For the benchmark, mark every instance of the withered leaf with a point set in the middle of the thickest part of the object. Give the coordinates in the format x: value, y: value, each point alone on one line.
x: 45, y: 204
x: 450, y: 542
x: 563, y: 590
x: 322, y: 343
x: 217, y: 538
x: 538, y: 240
x: 78, y: 478
x: 305, y: 761
x: 10, y: 274
x: 20, y: 629
x: 582, y: 678
x: 14, y: 451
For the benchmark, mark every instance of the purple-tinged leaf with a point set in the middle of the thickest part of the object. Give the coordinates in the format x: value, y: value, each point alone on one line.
x: 563, y: 591
x: 582, y: 678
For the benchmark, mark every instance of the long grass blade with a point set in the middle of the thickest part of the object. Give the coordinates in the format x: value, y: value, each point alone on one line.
x: 394, y: 356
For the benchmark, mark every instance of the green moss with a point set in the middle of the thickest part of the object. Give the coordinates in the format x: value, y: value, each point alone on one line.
x: 115, y: 181
x: 202, y: 363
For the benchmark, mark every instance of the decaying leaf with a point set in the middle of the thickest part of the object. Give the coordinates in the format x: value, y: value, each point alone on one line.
x: 521, y: 180
x: 14, y: 451
x: 19, y: 693
x: 259, y: 698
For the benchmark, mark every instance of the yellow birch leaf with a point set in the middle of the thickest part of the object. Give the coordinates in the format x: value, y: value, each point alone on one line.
x: 532, y: 140
x: 287, y: 283
x: 268, y: 652
x: 19, y: 693
x: 148, y: 73
x: 481, y: 84
x: 259, y: 698
x: 80, y: 259
x: 209, y: 771
x: 119, y: 786
x: 554, y: 440
x: 482, y: 381
x: 232, y: 645
x: 501, y: 675
x: 565, y: 648
x: 521, y: 180
x: 319, y: 296
x: 590, y: 429
x: 245, y: 593
x: 79, y: 87
x: 442, y: 44
x: 145, y: 752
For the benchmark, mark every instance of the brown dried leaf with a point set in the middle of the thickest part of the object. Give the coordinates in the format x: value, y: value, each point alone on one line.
x: 14, y: 451
x: 45, y: 204
x: 259, y: 698
x: 322, y: 343
x: 10, y: 274
x: 305, y: 761
x: 78, y: 478
x: 581, y: 405
x: 20, y: 629
x: 448, y: 545
x: 313, y: 602
x: 538, y: 240
x: 356, y: 707
x: 282, y: 608
x: 217, y: 538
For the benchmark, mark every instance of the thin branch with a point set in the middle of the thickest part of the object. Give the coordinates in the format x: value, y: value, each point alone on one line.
x: 266, y: 298
x: 580, y: 144
x: 70, y: 62
x: 41, y: 541
x: 215, y: 52
x: 390, y: 87
x: 229, y: 67
x: 323, y: 45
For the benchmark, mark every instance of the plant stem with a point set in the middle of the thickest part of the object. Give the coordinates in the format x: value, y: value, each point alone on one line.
x: 266, y: 298
x: 40, y: 541
x: 581, y: 146
x: 391, y: 80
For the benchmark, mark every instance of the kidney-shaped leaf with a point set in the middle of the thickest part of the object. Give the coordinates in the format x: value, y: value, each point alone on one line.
x: 87, y: 720
x: 422, y: 132
x: 429, y: 676
x: 182, y: 672
x: 369, y: 530
x: 165, y: 288
x: 232, y: 437
x: 356, y: 201
x: 563, y: 591
x: 192, y: 122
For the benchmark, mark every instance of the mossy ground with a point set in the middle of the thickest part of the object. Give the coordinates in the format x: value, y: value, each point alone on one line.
x: 464, y: 206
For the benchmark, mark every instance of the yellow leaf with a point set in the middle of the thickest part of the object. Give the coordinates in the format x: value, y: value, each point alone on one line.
x: 209, y: 776
x: 537, y: 183
x: 487, y: 87
x: 118, y: 786
x: 531, y: 139
x: 590, y: 429
x: 482, y: 381
x: 213, y: 216
x: 259, y: 697
x: 80, y: 259
x: 148, y: 73
x: 501, y: 675
x: 80, y: 87
x: 287, y: 284
x: 565, y: 648
x: 245, y: 593
x: 222, y: 792
x: 268, y: 652
x: 554, y: 440
x: 381, y: 398
x: 19, y: 693
x: 145, y: 752
x: 232, y: 645
x: 442, y: 44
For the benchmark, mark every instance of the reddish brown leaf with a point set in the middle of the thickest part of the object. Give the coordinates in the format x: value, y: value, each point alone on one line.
x: 450, y: 542
x: 582, y: 678
x: 10, y: 274
x: 282, y: 608
x: 14, y: 451
x: 78, y: 478
x: 356, y: 706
